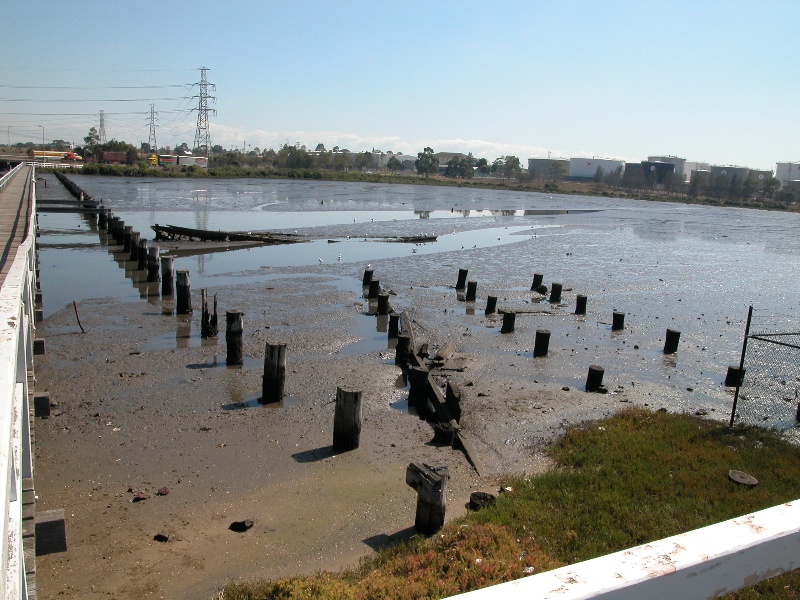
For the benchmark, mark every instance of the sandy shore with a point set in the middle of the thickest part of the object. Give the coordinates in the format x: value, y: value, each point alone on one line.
x: 144, y: 404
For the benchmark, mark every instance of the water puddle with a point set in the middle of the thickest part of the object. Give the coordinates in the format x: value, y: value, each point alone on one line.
x: 254, y: 402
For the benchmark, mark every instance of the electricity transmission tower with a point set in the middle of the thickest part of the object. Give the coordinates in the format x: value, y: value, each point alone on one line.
x: 101, y: 135
x: 202, y: 136
x: 152, y: 139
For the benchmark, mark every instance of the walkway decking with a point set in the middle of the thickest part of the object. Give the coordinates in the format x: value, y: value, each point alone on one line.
x: 14, y: 214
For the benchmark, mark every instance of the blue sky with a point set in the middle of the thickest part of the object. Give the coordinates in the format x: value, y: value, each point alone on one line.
x: 708, y: 81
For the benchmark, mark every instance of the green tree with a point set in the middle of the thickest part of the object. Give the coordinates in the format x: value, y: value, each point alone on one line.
x: 324, y: 159
x: 91, y: 141
x: 771, y: 185
x: 483, y: 166
x: 512, y: 166
x: 598, y: 174
x: 735, y: 190
x: 748, y: 188
x: 341, y: 160
x: 394, y: 164
x: 363, y: 160
x: 557, y: 171
x: 456, y: 167
x: 694, y: 186
x: 426, y: 162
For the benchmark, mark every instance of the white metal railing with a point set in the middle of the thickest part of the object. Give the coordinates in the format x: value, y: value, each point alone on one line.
x: 704, y: 563
x: 16, y: 357
x: 7, y: 177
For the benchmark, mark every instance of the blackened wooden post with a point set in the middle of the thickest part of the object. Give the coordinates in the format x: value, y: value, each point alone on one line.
x: 418, y: 386
x: 208, y: 321
x: 541, y: 343
x: 109, y: 221
x: 347, y: 419
x: 152, y: 263
x: 430, y: 483
x: 394, y: 325
x: 274, y: 372
x: 508, y: 322
x: 537, y: 281
x: 618, y: 321
x: 472, y: 290
x: 580, y: 304
x: 135, y: 237
x: 542, y: 289
x: 126, y: 238
x: 119, y: 230
x: 367, y: 277
x: 234, y: 327
x: 183, y: 300
x: 555, y: 293
x: 403, y: 349
x: 491, y: 305
x: 733, y: 376
x: 462, y: 279
x: 383, y: 304
x: 671, y: 343
x: 167, y: 286
x: 594, y: 379
x: 374, y: 289
x: 114, y: 227
x: 453, y: 400
x: 102, y: 218
x: 142, y: 254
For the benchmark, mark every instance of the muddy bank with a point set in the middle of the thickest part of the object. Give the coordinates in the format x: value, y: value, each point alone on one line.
x: 143, y: 404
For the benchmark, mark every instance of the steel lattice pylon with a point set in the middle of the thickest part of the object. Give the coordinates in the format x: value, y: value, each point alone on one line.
x: 202, y: 136
x: 152, y: 139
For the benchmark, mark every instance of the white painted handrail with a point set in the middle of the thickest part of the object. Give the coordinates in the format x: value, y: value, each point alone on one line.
x: 704, y: 563
x: 16, y: 357
x: 7, y: 177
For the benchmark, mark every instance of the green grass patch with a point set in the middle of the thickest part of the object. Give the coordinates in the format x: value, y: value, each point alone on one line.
x: 627, y: 480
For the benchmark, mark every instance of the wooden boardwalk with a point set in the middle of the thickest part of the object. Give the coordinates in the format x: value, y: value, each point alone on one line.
x: 15, y: 210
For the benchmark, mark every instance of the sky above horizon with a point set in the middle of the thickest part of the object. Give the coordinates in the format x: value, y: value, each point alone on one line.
x: 714, y: 82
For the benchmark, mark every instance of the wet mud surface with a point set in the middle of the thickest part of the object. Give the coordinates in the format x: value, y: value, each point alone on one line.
x: 144, y: 404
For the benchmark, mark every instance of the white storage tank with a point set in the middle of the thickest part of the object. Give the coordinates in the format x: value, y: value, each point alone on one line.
x: 585, y: 168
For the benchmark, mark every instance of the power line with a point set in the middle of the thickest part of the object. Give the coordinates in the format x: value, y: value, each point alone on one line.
x: 85, y: 99
x: 92, y: 87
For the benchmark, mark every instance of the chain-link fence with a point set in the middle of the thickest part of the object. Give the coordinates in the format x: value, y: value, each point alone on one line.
x: 769, y: 391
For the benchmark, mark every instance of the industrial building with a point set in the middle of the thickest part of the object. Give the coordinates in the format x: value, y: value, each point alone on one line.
x: 728, y: 171
x: 585, y: 168
x: 678, y: 163
x: 787, y: 171
x: 547, y: 168
x: 657, y: 169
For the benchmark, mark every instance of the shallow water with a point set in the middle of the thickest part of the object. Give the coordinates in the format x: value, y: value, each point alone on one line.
x: 693, y: 268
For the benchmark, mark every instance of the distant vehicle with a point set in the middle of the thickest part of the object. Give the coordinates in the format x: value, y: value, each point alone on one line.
x: 170, y: 160
x: 108, y: 157
x: 55, y: 155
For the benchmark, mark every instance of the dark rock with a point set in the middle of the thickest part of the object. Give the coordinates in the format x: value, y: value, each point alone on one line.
x: 241, y: 526
x: 140, y: 496
x: 565, y: 388
x: 701, y: 412
x: 162, y: 491
x: 161, y: 536
x: 479, y: 500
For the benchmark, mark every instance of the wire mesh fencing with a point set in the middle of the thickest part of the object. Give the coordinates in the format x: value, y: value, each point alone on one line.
x: 769, y: 390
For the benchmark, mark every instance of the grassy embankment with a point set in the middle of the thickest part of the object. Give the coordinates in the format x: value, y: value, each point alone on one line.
x: 633, y: 478
x: 546, y: 187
